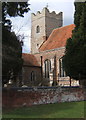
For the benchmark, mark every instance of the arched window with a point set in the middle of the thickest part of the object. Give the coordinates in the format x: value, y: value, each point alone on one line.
x: 61, y: 70
x: 32, y: 76
x: 37, y: 29
x: 47, y: 64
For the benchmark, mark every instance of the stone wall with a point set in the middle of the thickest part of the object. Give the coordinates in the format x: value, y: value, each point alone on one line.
x: 44, y: 95
x: 53, y: 21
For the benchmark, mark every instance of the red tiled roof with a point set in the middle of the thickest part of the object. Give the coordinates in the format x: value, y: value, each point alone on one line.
x: 58, y: 38
x: 29, y: 60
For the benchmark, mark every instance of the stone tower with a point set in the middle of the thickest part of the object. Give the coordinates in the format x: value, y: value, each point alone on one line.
x: 42, y: 24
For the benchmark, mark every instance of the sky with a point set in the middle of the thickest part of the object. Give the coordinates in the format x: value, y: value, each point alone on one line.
x: 22, y: 26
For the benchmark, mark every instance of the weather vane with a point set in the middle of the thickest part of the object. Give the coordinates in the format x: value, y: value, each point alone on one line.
x: 47, y: 5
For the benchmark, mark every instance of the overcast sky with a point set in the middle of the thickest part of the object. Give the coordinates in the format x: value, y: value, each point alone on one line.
x: 23, y: 25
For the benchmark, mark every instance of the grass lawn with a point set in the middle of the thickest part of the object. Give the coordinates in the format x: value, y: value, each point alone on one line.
x: 57, y: 110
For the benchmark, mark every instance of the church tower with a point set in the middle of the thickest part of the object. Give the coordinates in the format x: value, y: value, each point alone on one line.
x: 42, y: 24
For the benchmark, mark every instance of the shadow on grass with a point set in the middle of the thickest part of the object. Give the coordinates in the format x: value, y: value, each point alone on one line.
x: 57, y: 110
x: 43, y: 119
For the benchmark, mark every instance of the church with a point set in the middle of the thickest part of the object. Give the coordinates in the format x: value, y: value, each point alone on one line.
x: 43, y: 65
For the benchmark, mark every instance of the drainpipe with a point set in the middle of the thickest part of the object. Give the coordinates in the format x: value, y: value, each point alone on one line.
x: 55, y: 72
x: 41, y: 67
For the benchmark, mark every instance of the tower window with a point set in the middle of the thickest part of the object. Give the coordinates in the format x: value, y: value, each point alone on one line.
x: 37, y: 29
x: 37, y: 45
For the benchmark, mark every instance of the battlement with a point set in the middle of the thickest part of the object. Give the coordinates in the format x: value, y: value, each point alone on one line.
x: 47, y: 13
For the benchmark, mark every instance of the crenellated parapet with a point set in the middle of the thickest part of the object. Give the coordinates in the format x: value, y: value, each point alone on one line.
x: 47, y: 13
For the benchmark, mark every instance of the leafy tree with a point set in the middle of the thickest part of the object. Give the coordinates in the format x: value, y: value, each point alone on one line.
x: 11, y: 45
x: 75, y: 55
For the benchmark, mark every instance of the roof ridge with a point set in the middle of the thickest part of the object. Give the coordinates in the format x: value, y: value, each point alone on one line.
x: 63, y: 26
x: 26, y: 53
x: 54, y: 34
x: 43, y: 43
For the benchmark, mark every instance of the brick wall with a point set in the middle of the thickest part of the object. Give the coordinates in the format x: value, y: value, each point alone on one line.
x: 53, y: 56
x: 35, y: 96
x: 26, y: 75
x: 50, y: 55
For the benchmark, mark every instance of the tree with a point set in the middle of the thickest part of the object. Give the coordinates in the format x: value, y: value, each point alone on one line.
x: 11, y: 45
x: 75, y: 54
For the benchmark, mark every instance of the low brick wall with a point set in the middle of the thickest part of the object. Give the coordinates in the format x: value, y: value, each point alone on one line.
x: 34, y: 96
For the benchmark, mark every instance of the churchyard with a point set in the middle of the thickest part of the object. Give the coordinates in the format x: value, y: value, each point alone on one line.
x: 57, y: 110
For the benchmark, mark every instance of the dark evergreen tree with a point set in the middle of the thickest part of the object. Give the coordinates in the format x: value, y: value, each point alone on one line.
x: 11, y: 45
x: 75, y: 55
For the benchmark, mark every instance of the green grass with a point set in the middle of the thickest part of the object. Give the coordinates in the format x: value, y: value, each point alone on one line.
x: 57, y: 110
